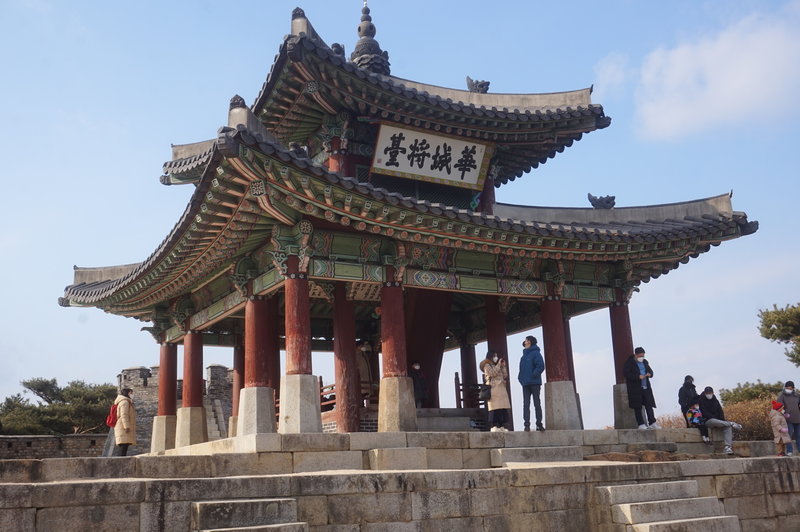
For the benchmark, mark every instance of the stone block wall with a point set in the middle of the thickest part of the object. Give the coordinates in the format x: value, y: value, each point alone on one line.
x: 762, y: 492
x: 68, y: 446
x: 144, y: 383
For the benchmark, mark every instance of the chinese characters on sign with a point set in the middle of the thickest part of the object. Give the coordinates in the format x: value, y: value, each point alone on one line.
x: 421, y: 155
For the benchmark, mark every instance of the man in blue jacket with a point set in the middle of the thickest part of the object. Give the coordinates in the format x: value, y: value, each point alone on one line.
x: 531, y: 366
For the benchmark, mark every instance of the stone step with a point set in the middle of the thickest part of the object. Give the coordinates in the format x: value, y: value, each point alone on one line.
x: 279, y: 527
x: 669, y: 447
x: 444, y: 424
x: 566, y: 453
x: 210, y: 515
x: 724, y: 523
x: 650, y: 491
x: 663, y: 510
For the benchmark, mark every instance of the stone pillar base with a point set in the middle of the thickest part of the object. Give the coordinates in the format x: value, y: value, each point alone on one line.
x: 256, y: 411
x: 397, y: 411
x: 191, y: 426
x: 163, y: 433
x: 561, y: 406
x: 299, y: 405
x: 232, y: 422
x: 624, y: 417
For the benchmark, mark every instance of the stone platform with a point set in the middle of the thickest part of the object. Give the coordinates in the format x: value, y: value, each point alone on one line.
x: 381, y: 482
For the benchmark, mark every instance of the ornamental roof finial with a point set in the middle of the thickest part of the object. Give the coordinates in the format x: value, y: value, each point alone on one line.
x: 367, y: 53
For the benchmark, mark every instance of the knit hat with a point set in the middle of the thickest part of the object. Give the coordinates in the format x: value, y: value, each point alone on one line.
x: 776, y: 405
x: 638, y: 351
x: 708, y: 389
x: 789, y: 384
x: 688, y: 378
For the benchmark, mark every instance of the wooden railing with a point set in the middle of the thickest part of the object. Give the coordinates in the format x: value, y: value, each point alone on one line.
x: 467, y: 394
x: 327, y: 396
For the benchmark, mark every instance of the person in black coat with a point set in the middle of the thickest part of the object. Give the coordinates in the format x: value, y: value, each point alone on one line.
x: 637, y: 373
x: 715, y: 417
x: 687, y: 395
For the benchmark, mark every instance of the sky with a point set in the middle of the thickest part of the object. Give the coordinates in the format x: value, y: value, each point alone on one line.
x: 702, y: 99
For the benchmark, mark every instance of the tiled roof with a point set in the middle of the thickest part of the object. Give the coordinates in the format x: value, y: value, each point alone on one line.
x: 709, y: 220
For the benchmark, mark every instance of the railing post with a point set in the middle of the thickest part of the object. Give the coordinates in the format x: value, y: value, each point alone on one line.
x: 458, y: 392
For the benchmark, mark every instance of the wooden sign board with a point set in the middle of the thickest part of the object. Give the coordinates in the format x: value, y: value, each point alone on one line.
x: 419, y: 154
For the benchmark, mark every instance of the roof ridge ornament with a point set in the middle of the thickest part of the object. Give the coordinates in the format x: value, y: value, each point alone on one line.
x: 367, y: 53
x: 601, y: 202
x: 477, y: 85
x: 237, y: 102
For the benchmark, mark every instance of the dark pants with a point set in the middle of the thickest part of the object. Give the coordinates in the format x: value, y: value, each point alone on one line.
x: 534, y: 390
x: 121, y: 449
x: 498, y: 418
x: 647, y: 400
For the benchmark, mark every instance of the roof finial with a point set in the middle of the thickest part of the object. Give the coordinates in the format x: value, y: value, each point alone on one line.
x: 367, y: 53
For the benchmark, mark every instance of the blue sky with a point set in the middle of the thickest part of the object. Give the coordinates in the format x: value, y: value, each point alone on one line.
x: 702, y: 96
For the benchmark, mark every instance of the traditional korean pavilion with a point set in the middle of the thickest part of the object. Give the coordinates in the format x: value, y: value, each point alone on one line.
x: 351, y: 211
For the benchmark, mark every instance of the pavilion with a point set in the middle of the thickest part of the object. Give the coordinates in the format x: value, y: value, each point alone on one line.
x: 351, y: 211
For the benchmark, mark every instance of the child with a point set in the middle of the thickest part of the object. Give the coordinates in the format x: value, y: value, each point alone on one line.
x: 780, y: 429
x: 694, y: 419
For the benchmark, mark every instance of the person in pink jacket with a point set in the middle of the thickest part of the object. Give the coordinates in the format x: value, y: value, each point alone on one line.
x: 780, y: 429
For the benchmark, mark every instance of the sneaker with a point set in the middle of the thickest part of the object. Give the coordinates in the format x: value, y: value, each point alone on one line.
x: 654, y: 426
x: 643, y: 427
x: 781, y: 454
x: 727, y: 450
x: 789, y: 453
x: 707, y: 440
x: 539, y: 428
x: 503, y: 429
x: 494, y: 429
x: 527, y: 428
x: 736, y: 426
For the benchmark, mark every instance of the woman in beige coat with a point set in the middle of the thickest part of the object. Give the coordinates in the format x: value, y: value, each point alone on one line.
x: 125, y: 429
x: 495, y: 374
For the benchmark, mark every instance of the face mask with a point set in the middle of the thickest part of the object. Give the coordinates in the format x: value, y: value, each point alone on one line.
x: 415, y: 366
x: 495, y: 359
x: 639, y: 359
x: 788, y: 391
x: 709, y: 396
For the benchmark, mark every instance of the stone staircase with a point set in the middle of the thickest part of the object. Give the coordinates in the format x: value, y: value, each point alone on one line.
x: 448, y: 419
x: 215, y: 419
x: 251, y: 515
x: 659, y: 507
x: 564, y: 453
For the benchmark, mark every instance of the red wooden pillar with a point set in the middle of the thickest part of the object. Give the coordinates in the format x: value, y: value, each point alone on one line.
x: 568, y: 344
x: 348, y: 386
x: 272, y: 333
x: 168, y: 380
x: 192, y: 369
x: 555, y: 348
x: 340, y: 161
x: 621, y: 337
x: 496, y: 327
x: 255, y: 343
x: 238, y: 376
x: 393, y: 328
x: 298, y: 320
x: 497, y: 340
x: 469, y: 373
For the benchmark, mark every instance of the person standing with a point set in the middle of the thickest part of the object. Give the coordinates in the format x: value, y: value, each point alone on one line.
x: 687, y: 395
x: 791, y: 403
x: 125, y: 429
x: 637, y: 373
x: 531, y: 366
x: 495, y: 373
x: 420, y: 384
x: 715, y: 417
x: 780, y: 430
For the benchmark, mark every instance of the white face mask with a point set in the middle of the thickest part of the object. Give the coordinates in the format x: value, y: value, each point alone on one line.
x: 639, y: 359
x: 788, y: 391
x: 415, y: 366
x: 709, y: 396
x: 495, y: 359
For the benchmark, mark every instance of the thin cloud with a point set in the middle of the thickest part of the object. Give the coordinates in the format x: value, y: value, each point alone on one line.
x: 611, y: 73
x: 749, y: 72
